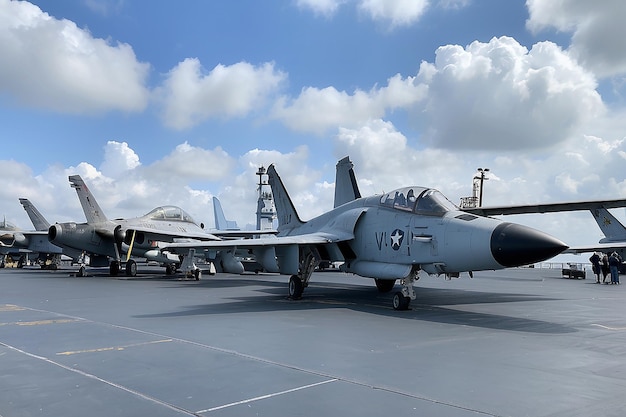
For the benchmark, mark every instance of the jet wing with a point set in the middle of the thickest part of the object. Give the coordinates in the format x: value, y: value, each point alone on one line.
x: 546, y: 208
x: 19, y: 239
x: 339, y: 229
x: 169, y: 236
x: 228, y: 234
x: 318, y: 238
x: 598, y: 247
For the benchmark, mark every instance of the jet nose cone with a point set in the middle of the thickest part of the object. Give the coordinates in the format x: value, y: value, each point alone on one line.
x: 516, y: 245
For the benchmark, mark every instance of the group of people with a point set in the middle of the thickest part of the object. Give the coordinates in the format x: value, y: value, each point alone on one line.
x: 606, y: 264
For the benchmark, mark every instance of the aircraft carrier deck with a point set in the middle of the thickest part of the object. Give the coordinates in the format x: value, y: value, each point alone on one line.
x: 518, y: 342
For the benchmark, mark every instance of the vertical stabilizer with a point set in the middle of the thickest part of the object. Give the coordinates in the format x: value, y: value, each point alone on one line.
x: 92, y: 210
x: 611, y: 227
x: 346, y: 187
x: 39, y: 222
x: 220, y: 220
x: 285, y: 210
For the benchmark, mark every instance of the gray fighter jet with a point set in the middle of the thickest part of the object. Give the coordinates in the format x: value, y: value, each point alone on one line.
x: 388, y: 237
x: 614, y: 239
x: 21, y: 244
x: 107, y: 243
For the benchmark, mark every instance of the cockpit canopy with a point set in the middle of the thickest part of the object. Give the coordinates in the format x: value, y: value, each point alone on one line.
x: 170, y: 213
x: 420, y: 200
x: 8, y: 226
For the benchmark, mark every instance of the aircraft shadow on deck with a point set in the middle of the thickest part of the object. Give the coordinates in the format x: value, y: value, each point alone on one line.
x: 431, y: 305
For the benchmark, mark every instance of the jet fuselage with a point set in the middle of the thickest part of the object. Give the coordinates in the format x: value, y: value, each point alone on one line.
x: 394, y: 234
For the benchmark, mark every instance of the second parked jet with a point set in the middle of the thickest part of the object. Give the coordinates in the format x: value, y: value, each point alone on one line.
x: 107, y: 243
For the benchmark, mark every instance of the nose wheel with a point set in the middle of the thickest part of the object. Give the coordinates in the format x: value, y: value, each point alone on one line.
x: 400, y: 302
x: 402, y: 299
x: 295, y: 287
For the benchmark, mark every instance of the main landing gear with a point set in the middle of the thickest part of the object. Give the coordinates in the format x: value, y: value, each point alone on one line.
x: 297, y: 283
x: 130, y: 269
x: 188, y: 266
x: 402, y: 298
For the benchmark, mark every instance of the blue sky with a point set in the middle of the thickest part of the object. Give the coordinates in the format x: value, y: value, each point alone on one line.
x: 172, y: 103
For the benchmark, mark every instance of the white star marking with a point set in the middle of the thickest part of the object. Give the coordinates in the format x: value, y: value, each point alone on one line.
x: 396, y: 238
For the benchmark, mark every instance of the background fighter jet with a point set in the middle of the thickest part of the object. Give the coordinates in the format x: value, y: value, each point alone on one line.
x: 22, y: 243
x: 389, y: 237
x: 614, y: 235
x: 220, y: 219
x: 108, y: 244
x: 9, y: 234
x: 112, y: 242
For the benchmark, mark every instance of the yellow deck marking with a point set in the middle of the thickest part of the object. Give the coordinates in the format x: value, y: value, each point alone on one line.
x: 10, y: 307
x: 39, y: 322
x: 105, y: 349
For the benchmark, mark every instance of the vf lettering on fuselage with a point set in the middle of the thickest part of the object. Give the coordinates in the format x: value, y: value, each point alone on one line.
x: 393, y: 239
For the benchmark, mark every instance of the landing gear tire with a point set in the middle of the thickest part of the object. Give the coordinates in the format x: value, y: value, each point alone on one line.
x: 295, y: 288
x: 170, y: 269
x: 114, y: 268
x: 131, y: 268
x: 197, y: 274
x: 400, y: 302
x: 81, y: 272
x: 384, y: 285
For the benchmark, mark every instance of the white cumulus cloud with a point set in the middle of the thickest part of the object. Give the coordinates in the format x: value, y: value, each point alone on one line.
x: 318, y: 110
x: 188, y: 162
x: 499, y: 95
x: 118, y: 159
x: 52, y: 64
x: 396, y: 12
x: 322, y: 7
x: 190, y: 96
x: 598, y: 30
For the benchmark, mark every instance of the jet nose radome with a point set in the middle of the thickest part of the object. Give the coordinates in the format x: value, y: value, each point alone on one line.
x: 516, y: 245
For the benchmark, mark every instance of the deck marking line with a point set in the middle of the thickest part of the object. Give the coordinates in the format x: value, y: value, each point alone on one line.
x: 270, y: 362
x: 104, y: 381
x: 608, y: 327
x: 105, y: 349
x: 263, y: 397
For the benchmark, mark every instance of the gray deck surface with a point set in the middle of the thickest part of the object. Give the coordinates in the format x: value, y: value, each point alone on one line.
x: 518, y: 342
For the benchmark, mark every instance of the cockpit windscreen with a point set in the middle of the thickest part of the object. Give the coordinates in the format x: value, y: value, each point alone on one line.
x: 171, y: 213
x: 420, y: 200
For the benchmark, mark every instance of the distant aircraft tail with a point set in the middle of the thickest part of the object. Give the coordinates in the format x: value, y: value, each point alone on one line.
x: 92, y: 210
x: 611, y: 227
x: 39, y: 221
x: 285, y: 210
x: 220, y: 220
x: 346, y: 187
